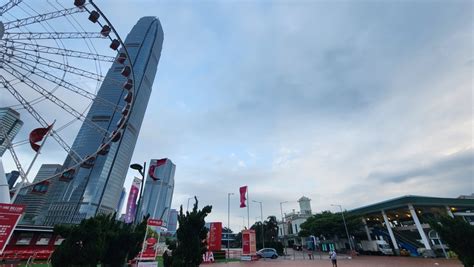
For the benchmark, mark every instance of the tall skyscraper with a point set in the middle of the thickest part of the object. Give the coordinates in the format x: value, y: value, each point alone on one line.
x: 121, y: 202
x: 97, y: 190
x: 12, y: 177
x: 172, y: 221
x: 34, y: 198
x: 158, y: 191
x: 10, y: 125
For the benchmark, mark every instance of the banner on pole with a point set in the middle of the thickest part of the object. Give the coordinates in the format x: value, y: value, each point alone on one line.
x: 249, y: 244
x: 243, y: 197
x: 214, y: 238
x: 9, y: 216
x: 152, y: 238
x: 132, y: 200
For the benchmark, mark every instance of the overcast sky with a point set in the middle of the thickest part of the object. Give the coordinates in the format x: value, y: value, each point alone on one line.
x: 345, y: 102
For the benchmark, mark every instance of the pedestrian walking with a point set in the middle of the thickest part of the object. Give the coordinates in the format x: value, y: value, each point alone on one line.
x: 333, y: 257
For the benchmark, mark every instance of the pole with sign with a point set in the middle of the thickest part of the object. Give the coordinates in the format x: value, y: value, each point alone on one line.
x: 9, y: 216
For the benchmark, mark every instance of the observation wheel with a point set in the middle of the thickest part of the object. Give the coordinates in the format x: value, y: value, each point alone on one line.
x: 54, y: 56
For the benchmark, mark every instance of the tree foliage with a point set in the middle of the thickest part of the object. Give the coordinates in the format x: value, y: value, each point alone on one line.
x: 191, y: 236
x: 329, y: 225
x: 459, y: 235
x: 99, y: 239
x: 270, y: 228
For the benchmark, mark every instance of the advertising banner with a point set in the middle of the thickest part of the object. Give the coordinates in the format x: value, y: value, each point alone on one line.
x: 132, y: 200
x: 9, y: 216
x: 214, y: 239
x: 249, y: 244
x: 243, y: 192
x: 152, y: 238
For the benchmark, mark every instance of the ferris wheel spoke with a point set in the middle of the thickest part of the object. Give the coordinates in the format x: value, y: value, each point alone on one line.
x: 15, y: 45
x: 8, y: 6
x: 42, y: 17
x: 56, y: 65
x: 50, y: 35
x: 64, y: 84
x: 26, y: 105
x: 63, y: 105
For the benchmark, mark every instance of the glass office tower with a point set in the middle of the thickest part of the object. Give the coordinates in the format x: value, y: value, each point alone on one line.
x: 158, y: 191
x: 98, y: 189
x: 10, y: 125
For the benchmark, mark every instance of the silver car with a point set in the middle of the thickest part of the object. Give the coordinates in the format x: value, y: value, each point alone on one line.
x: 267, y: 253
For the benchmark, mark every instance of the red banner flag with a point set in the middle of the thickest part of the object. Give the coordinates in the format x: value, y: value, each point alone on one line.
x: 37, y: 135
x: 243, y: 198
x: 154, y: 166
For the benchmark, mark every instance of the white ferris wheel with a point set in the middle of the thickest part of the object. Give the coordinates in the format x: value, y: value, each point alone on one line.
x: 53, y: 59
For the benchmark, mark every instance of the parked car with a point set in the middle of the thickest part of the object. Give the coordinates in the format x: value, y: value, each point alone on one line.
x: 267, y: 253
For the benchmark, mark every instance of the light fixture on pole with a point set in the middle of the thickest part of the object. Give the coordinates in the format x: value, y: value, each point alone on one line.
x: 261, y: 216
x: 283, y: 224
x: 228, y: 223
x: 345, y: 225
x: 140, y: 169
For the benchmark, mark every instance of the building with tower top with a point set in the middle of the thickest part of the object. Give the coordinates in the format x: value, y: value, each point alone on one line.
x: 289, y: 228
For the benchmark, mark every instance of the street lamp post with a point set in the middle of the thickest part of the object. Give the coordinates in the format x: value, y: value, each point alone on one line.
x: 140, y: 169
x: 283, y: 224
x: 261, y: 215
x: 228, y: 223
x: 345, y: 225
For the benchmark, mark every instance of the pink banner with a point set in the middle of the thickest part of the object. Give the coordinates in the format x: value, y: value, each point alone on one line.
x: 132, y: 200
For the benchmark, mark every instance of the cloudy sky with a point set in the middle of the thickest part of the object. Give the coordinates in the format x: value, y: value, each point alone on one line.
x: 345, y: 102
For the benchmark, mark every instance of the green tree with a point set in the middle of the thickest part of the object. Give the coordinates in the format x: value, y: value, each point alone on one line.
x: 99, y: 239
x: 270, y: 228
x: 191, y: 236
x: 459, y: 235
x: 329, y: 225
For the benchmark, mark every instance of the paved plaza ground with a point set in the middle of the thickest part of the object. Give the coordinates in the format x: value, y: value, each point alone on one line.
x: 360, y: 261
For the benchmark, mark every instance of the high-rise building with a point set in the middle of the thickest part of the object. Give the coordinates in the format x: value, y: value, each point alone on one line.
x: 158, y: 191
x: 12, y: 177
x: 173, y: 221
x: 10, y: 125
x: 121, y: 202
x: 97, y: 189
x: 35, y: 197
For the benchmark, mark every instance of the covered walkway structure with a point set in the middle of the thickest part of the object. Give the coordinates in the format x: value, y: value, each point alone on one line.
x: 404, y: 221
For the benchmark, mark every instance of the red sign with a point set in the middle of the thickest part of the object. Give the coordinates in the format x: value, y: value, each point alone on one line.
x: 152, y: 237
x: 154, y: 222
x: 243, y: 192
x: 215, y: 236
x: 9, y: 217
x: 249, y: 245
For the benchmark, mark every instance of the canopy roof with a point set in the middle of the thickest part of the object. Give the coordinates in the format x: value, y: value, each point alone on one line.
x: 402, y: 202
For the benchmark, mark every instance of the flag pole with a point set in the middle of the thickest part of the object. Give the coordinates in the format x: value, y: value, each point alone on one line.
x: 248, y: 209
x: 25, y: 175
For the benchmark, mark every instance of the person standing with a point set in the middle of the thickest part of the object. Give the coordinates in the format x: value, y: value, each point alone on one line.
x: 333, y: 257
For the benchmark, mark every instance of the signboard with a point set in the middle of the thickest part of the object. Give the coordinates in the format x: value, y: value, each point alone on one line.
x: 152, y: 238
x: 132, y: 200
x: 154, y: 222
x: 249, y: 244
x: 214, y: 239
x: 9, y: 216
